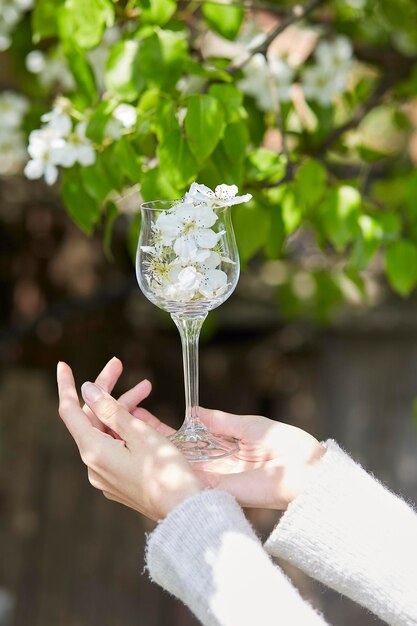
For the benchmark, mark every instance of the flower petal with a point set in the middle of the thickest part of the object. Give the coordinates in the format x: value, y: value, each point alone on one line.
x: 212, y: 282
x: 34, y: 169
x: 206, y: 238
x: 186, y: 248
x: 51, y: 174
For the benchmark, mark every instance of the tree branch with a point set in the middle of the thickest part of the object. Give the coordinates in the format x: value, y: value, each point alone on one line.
x: 391, y: 78
x: 297, y: 12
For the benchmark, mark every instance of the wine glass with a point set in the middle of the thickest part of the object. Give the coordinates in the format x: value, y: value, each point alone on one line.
x: 187, y: 264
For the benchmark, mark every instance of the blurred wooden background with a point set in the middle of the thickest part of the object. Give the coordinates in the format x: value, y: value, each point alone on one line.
x: 68, y: 557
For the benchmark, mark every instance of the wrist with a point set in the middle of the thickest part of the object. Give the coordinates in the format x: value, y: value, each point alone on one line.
x: 299, y: 476
x: 190, y: 487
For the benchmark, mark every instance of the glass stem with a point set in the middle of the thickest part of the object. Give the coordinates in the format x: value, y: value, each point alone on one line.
x: 189, y: 327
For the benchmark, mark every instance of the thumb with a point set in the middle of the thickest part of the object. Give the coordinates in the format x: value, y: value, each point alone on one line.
x: 108, y: 410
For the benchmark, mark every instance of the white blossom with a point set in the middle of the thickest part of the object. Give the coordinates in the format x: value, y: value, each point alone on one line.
x: 328, y: 78
x: 57, y: 143
x: 222, y: 196
x: 77, y: 149
x: 51, y: 69
x: 126, y: 114
x: 11, y: 12
x: 263, y: 75
x: 45, y: 148
x: 188, y: 228
x: 123, y: 117
x: 335, y: 55
x: 58, y: 120
x: 182, y: 284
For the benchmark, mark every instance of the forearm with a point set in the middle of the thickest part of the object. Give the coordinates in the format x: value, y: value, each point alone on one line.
x: 207, y: 555
x: 352, y: 534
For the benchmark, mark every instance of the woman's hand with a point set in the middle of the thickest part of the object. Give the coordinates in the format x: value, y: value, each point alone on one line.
x: 141, y: 469
x: 272, y: 465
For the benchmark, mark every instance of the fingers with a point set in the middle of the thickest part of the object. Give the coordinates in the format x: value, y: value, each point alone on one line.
x: 110, y: 374
x: 222, y: 423
x: 69, y: 407
x: 108, y: 410
x: 107, y: 379
x: 148, y: 418
x: 130, y: 399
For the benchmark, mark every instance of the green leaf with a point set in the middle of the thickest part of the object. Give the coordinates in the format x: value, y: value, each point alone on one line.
x: 276, y: 235
x: 340, y: 216
x: 95, y: 180
x: 98, y: 121
x: 127, y: 159
x: 224, y: 19
x: 176, y: 159
x: 291, y: 211
x: 123, y: 76
x: 45, y: 19
x: 83, y: 21
x: 111, y: 215
x: 367, y: 243
x: 204, y: 123
x: 154, y: 184
x: 82, y: 73
x: 311, y: 182
x: 207, y: 71
x: 266, y: 165
x: 236, y: 140
x: 231, y: 99
x: 220, y: 168
x: 81, y: 206
x: 401, y: 266
x: 162, y: 56
x: 158, y: 11
x: 251, y: 224
x: 111, y: 167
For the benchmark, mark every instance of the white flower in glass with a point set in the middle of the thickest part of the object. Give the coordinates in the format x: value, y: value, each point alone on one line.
x: 45, y: 148
x: 182, y: 284
x: 188, y: 264
x: 190, y: 227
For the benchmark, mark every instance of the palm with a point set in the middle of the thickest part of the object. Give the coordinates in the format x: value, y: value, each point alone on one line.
x: 269, y: 465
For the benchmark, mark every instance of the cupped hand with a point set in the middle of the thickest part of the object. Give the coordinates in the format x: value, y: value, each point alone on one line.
x: 141, y: 469
x: 272, y: 465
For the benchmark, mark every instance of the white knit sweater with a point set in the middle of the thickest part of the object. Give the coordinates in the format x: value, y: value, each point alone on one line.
x: 345, y: 529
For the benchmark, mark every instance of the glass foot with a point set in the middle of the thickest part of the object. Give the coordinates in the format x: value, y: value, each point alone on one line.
x: 198, y: 444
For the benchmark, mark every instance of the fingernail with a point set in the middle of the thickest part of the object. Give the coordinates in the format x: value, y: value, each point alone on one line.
x: 91, y: 392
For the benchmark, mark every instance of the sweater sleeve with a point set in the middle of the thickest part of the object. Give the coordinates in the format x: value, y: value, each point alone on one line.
x: 355, y: 536
x: 206, y: 554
